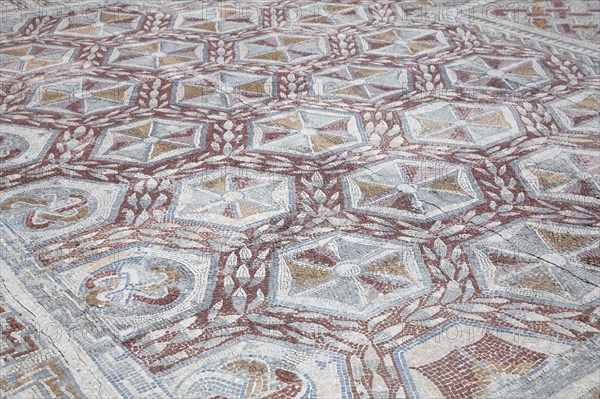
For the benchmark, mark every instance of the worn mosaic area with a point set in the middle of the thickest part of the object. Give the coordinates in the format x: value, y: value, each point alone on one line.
x: 294, y: 199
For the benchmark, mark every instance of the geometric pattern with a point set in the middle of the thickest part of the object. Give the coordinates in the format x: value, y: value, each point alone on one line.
x: 149, y: 141
x: 357, y: 82
x: 411, y: 189
x: 464, y: 360
x: 57, y: 206
x: 22, y: 145
x: 496, y: 73
x: 579, y: 112
x: 82, y: 96
x: 306, y: 133
x: 328, y: 15
x: 461, y: 124
x: 156, y: 54
x: 288, y: 199
x: 129, y: 287
x: 33, y: 58
x: 98, y: 24
x: 562, y: 174
x: 342, y: 274
x: 233, y: 198
x: 404, y: 42
x: 539, y: 261
x: 224, y: 90
x: 219, y: 19
x: 266, y: 368
x: 281, y: 49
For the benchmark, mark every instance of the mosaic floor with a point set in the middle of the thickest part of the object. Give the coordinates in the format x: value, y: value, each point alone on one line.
x: 297, y: 199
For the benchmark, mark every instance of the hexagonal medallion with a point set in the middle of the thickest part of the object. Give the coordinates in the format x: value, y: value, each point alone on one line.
x: 496, y: 73
x: 579, y: 112
x: 562, y: 174
x: 541, y: 262
x: 404, y: 42
x: 31, y: 58
x: 157, y: 54
x: 224, y: 90
x: 82, y: 96
x: 98, y: 24
x: 149, y: 141
x: 358, y: 82
x: 328, y: 15
x: 461, y: 124
x: 282, y: 49
x: 306, y: 133
x: 347, y: 275
x: 232, y: 197
x: 412, y: 189
x: 220, y: 18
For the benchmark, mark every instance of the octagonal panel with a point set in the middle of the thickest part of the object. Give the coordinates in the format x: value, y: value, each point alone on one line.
x: 404, y: 42
x: 412, y: 189
x: 220, y: 18
x: 257, y: 367
x: 306, y: 133
x: 31, y: 58
x: 82, y: 96
x: 282, y: 49
x: 579, y: 112
x: 328, y: 15
x: 224, y: 90
x: 98, y: 24
x: 59, y: 206
x: 461, y: 124
x: 232, y: 197
x: 562, y: 174
x: 357, y: 82
x: 21, y: 145
x: 496, y: 73
x: 347, y: 275
x: 469, y: 360
x: 157, y: 54
x: 150, y: 141
x: 542, y: 262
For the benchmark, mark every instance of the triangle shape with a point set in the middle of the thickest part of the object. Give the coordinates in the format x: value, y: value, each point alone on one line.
x: 562, y: 241
x: 541, y: 280
x: 218, y: 184
x: 548, y: 179
x: 305, y: 276
x: 293, y: 121
x: 371, y: 191
x: 447, y: 183
x: 391, y: 266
